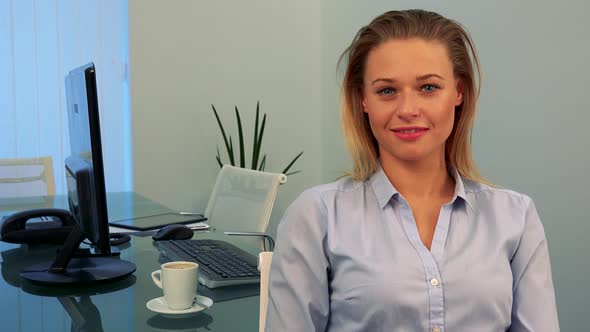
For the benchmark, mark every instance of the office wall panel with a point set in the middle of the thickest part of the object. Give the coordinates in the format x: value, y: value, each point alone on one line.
x: 25, y: 64
x: 40, y: 41
x: 47, y: 91
x: 187, y: 55
x: 7, y: 100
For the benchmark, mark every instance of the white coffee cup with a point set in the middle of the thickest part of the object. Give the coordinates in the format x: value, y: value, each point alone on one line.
x: 179, y: 282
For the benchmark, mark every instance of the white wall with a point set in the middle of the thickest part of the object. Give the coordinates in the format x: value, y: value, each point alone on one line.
x: 187, y: 55
x: 531, y: 134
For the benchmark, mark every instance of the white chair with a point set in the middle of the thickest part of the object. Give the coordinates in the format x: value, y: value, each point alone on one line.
x: 264, y: 259
x: 24, y: 177
x: 242, y: 201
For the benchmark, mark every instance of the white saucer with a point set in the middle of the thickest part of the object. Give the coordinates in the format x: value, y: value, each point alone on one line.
x: 159, y: 305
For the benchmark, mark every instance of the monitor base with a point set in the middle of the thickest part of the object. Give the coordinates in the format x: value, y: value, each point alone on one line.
x: 85, y: 270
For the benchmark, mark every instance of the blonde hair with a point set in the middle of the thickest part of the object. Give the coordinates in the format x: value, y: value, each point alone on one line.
x: 406, y: 24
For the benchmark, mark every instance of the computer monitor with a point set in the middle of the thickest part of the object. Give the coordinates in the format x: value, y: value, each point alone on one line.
x: 86, y: 195
x: 84, y: 167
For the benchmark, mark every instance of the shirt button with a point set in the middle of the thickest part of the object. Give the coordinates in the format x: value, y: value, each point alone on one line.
x: 434, y: 282
x: 436, y: 329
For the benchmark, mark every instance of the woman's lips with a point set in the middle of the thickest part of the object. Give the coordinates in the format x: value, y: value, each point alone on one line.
x: 409, y: 133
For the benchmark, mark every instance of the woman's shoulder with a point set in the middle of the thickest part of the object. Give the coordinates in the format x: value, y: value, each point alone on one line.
x: 343, y: 184
x: 321, y: 195
x: 498, y: 196
x: 310, y: 209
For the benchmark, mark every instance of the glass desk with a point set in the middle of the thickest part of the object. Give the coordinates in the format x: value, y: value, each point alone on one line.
x: 118, y: 306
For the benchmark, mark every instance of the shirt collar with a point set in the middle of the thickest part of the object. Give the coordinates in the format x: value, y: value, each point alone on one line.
x: 385, y: 191
x: 459, y: 187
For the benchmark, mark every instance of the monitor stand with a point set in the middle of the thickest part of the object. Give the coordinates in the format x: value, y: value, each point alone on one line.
x: 68, y: 268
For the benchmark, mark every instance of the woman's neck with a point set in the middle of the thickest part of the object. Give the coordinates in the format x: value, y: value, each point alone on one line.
x: 424, y: 179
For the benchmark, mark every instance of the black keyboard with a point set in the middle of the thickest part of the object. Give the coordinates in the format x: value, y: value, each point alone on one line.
x: 220, y: 263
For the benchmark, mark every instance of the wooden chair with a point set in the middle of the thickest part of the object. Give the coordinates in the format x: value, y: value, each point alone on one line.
x: 24, y: 177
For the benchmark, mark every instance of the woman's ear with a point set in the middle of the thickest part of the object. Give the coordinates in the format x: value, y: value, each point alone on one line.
x: 460, y: 91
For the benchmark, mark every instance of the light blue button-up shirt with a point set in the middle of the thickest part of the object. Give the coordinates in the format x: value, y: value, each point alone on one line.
x: 349, y: 258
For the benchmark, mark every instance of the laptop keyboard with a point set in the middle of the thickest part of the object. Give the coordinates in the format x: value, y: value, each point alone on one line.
x: 220, y: 263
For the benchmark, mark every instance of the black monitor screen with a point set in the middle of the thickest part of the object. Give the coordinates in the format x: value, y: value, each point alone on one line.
x: 86, y: 196
x: 84, y: 167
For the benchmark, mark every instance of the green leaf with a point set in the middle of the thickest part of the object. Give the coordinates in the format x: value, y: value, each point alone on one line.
x: 261, y: 134
x: 292, y: 162
x: 262, y: 163
x: 259, y: 127
x: 241, y: 140
x: 218, y: 158
x: 227, y: 144
x: 231, y: 151
x: 255, y: 145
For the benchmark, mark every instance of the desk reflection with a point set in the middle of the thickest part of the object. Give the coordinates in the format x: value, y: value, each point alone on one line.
x: 76, y: 300
x: 84, y: 314
x: 199, y: 321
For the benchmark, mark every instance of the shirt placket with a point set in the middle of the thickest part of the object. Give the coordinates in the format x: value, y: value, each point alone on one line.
x: 433, y: 277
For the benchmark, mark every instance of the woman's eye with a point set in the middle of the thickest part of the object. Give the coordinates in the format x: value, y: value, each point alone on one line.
x: 429, y: 88
x: 385, y: 91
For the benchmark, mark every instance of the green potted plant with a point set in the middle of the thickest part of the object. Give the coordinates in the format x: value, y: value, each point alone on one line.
x: 258, y: 162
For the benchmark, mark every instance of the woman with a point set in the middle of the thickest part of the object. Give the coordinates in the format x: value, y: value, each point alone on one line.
x: 414, y: 239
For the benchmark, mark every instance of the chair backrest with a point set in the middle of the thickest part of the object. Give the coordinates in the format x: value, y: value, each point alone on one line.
x: 23, y: 177
x: 242, y: 200
x: 264, y: 259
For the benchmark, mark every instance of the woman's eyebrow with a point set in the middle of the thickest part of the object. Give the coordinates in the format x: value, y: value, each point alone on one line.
x: 427, y: 76
x: 418, y: 78
x: 386, y: 80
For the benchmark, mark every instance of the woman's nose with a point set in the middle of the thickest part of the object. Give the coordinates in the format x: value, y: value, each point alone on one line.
x: 407, y: 106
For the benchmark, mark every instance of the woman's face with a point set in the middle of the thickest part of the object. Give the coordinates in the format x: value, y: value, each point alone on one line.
x: 410, y: 93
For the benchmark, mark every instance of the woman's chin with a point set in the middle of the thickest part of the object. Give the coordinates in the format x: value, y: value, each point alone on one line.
x: 409, y: 157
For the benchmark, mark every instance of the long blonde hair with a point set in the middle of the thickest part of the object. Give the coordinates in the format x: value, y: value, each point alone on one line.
x: 406, y: 24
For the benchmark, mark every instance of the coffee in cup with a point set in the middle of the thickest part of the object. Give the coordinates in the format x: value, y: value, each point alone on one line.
x: 179, y: 282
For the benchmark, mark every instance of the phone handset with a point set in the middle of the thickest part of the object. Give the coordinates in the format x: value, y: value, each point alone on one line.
x: 15, y: 229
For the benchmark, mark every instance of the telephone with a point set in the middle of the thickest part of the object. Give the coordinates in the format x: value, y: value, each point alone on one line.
x: 37, y: 226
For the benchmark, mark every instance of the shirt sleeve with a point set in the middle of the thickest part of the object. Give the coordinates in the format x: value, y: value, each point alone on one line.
x: 533, y: 307
x: 298, y: 288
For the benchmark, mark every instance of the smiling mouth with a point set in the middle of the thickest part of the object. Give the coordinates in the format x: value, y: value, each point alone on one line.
x: 409, y: 131
x: 409, y: 134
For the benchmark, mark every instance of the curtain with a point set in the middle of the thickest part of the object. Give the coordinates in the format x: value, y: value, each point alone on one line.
x: 40, y: 42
